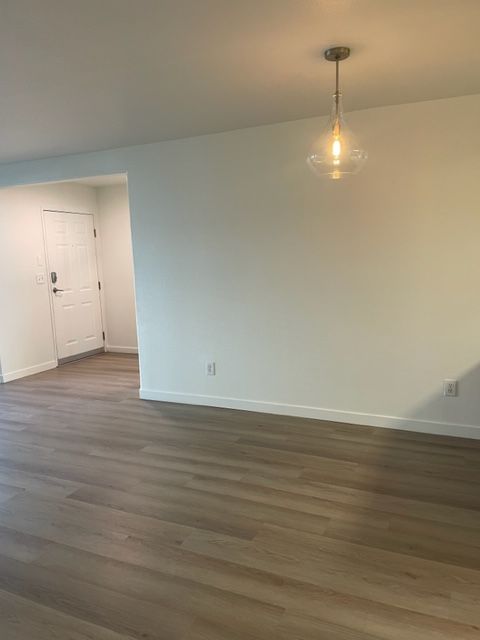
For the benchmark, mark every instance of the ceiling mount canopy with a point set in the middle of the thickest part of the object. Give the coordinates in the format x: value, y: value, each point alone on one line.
x: 336, y: 153
x: 336, y: 54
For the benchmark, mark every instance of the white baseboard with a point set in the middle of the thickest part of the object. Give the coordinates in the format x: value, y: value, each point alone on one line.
x: 29, y: 371
x: 318, y: 413
x: 116, y: 349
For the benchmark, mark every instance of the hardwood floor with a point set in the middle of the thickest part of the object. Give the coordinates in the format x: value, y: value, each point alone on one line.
x: 122, y: 518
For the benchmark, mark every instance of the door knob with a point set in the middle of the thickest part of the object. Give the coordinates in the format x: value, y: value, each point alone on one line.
x: 55, y: 290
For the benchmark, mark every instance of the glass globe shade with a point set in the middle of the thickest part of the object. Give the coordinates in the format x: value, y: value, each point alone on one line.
x: 336, y: 153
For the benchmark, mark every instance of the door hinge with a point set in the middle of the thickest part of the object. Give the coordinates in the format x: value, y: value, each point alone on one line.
x: 99, y: 285
x: 94, y: 233
x: 103, y: 335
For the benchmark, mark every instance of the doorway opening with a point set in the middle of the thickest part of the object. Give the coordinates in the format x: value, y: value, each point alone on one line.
x: 67, y: 275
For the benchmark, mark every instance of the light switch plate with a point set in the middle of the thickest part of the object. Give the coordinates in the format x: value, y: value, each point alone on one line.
x: 40, y: 278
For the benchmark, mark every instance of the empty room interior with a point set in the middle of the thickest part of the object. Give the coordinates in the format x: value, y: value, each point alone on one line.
x: 240, y: 320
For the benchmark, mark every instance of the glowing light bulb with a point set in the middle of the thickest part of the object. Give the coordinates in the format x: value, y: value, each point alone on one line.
x: 336, y: 149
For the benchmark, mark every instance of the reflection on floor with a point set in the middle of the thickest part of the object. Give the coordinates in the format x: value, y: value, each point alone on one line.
x: 122, y: 518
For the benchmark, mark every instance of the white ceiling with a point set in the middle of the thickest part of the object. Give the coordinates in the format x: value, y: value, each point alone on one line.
x: 78, y: 75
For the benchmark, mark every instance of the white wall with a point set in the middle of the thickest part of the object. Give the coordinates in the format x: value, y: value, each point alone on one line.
x: 348, y: 300
x: 26, y: 336
x: 113, y: 217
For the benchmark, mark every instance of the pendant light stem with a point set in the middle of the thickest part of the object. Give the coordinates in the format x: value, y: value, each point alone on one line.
x: 337, y: 54
x: 336, y: 125
x: 337, y: 93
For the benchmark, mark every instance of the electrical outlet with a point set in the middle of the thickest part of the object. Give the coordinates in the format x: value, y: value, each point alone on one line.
x: 210, y: 368
x: 450, y: 387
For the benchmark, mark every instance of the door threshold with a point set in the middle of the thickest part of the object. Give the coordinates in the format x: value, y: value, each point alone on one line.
x: 80, y: 356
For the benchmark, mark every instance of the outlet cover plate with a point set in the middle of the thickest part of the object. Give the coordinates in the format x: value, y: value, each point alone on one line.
x: 210, y: 368
x: 450, y: 388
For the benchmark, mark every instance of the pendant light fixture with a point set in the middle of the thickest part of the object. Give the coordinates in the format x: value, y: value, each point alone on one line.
x: 336, y: 153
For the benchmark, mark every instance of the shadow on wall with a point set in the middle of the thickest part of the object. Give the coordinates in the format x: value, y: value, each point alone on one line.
x: 460, y: 414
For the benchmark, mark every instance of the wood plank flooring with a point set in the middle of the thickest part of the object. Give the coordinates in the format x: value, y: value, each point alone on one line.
x: 125, y: 519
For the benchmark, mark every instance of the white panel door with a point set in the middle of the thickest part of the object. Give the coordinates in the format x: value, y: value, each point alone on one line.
x: 75, y: 294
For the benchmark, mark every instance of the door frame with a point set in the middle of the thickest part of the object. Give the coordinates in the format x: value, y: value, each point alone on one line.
x: 44, y: 211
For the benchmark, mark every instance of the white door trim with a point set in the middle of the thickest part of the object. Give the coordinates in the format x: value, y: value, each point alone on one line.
x: 47, y: 268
